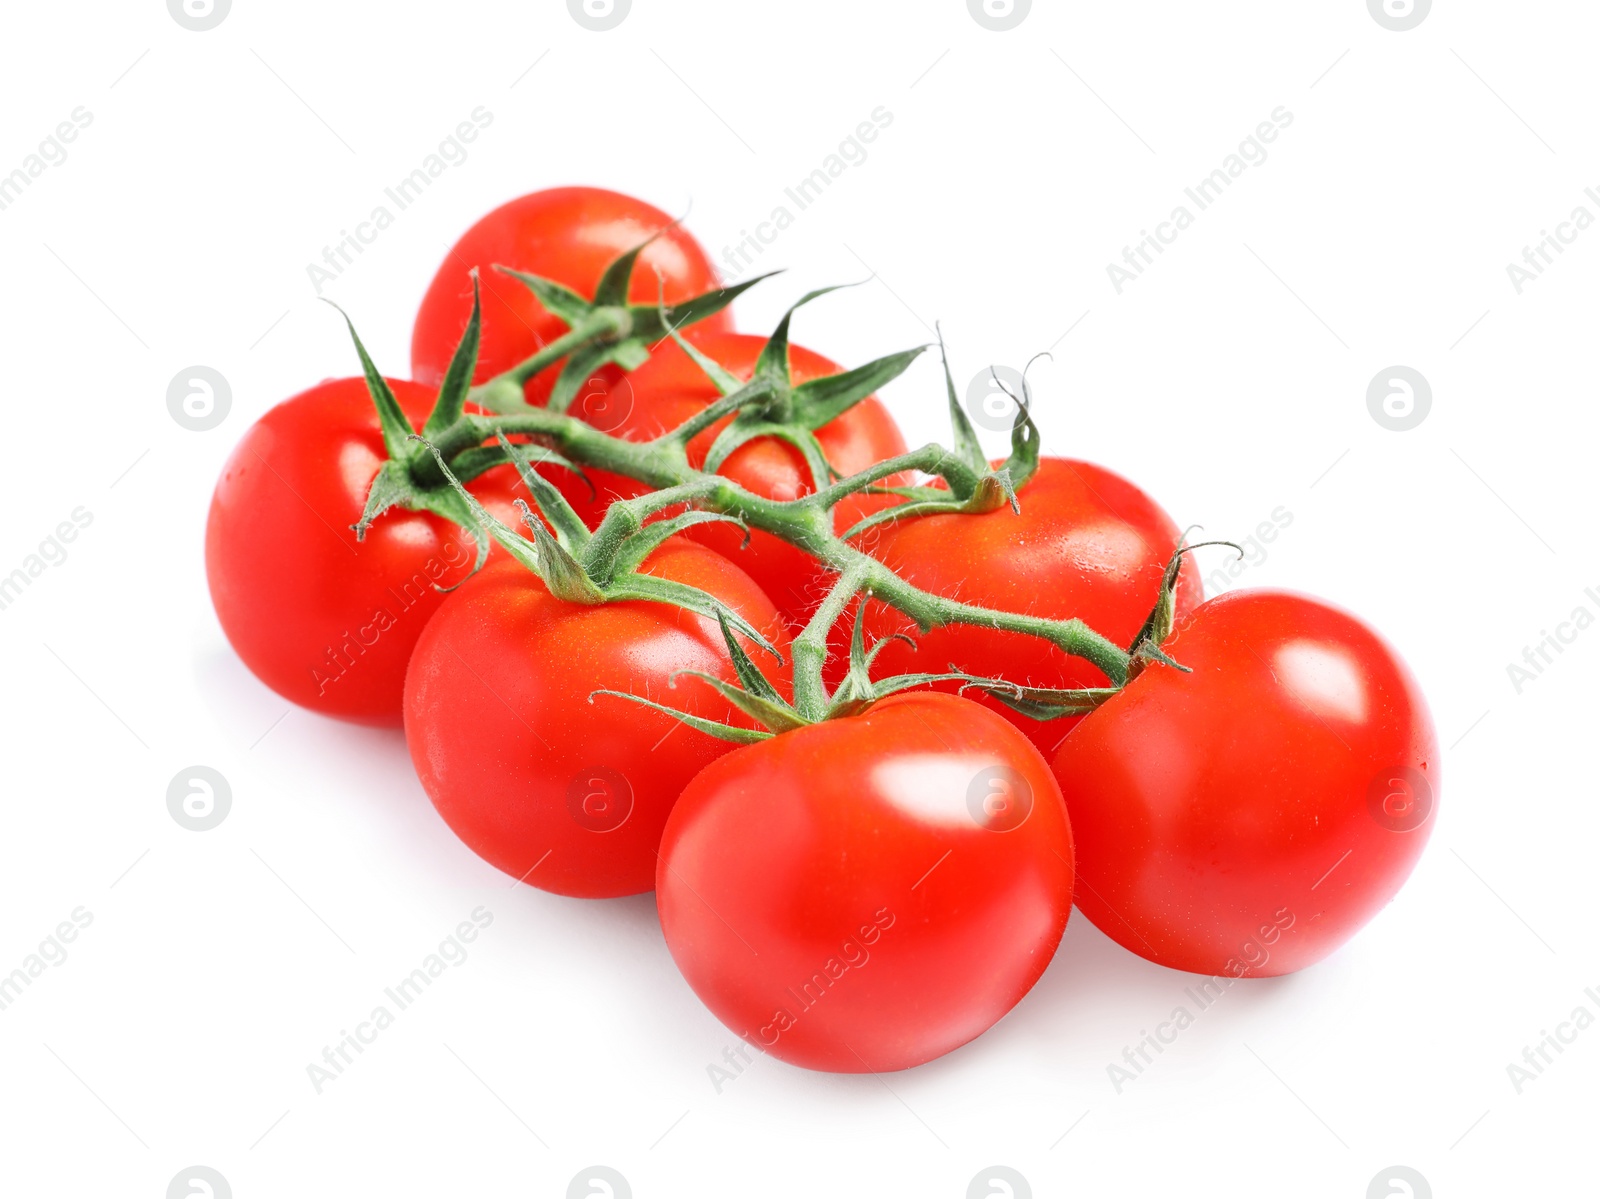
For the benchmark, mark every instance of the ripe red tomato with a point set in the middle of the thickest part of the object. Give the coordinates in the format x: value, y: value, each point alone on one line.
x: 871, y: 892
x: 1250, y: 817
x: 566, y: 794
x: 323, y: 619
x: 1087, y: 543
x: 670, y: 388
x: 569, y: 234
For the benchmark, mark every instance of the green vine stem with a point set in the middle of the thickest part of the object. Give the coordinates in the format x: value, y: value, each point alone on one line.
x: 805, y: 522
x: 607, y: 331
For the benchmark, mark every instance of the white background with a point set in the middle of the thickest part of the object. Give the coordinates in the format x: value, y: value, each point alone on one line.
x: 1229, y: 380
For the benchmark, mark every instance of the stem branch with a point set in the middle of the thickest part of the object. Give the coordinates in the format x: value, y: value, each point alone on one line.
x: 806, y: 523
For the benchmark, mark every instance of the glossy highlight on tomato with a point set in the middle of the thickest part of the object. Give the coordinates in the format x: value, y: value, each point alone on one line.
x: 570, y: 235
x: 1250, y: 817
x: 325, y: 620
x: 1087, y: 544
x: 871, y: 892
x: 564, y: 792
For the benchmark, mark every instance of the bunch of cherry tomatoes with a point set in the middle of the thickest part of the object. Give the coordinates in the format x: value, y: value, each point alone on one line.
x: 859, y: 893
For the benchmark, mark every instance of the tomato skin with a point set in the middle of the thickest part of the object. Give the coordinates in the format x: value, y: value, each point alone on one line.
x: 849, y: 851
x: 569, y: 234
x: 670, y: 388
x: 505, y: 739
x: 1087, y: 543
x: 323, y: 619
x: 1226, y: 819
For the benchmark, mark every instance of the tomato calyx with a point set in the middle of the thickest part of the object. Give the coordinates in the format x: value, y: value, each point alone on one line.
x: 580, y: 567
x: 757, y: 698
x: 972, y: 485
x: 1048, y: 703
x: 607, y: 330
x: 399, y: 481
x: 1145, y: 649
x: 771, y: 404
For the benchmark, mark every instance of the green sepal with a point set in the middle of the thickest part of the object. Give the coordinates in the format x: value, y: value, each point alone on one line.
x: 993, y: 490
x: 883, y: 688
x: 651, y: 323
x: 447, y: 409
x: 1148, y: 654
x: 1158, y: 624
x: 770, y: 405
x: 648, y: 539
x: 964, y: 437
x: 860, y: 690
x: 856, y: 686
x: 630, y: 355
x: 560, y: 299
x: 449, y: 505
x: 715, y: 728
x: 565, y: 576
x: 1042, y: 703
x: 580, y: 367
x: 518, y: 546
x: 1023, y: 462
x: 397, y: 430
x: 909, y: 491
x: 776, y: 715
x: 985, y: 489
x: 571, y: 532
x: 680, y: 595
x: 755, y: 697
x: 736, y: 393
x: 773, y: 362
x: 469, y: 464
x: 726, y: 381
x: 644, y: 326
x: 749, y: 673
x: 819, y: 401
x: 562, y: 573
x: 742, y: 430
x: 1145, y: 647
x: 612, y: 290
x: 695, y: 309
x: 748, y: 395
x: 609, y: 330
x: 391, y: 487
x: 735, y: 435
